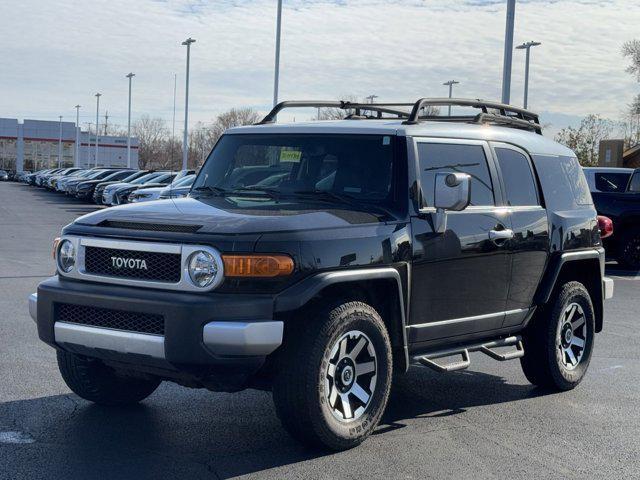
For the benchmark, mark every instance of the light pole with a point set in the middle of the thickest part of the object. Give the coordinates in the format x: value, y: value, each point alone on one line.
x: 450, y: 84
x: 371, y: 98
x: 276, y: 75
x: 185, y: 139
x: 60, y: 143
x: 77, y: 162
x: 508, y: 51
x: 98, y: 95
x: 527, y: 46
x: 129, y: 76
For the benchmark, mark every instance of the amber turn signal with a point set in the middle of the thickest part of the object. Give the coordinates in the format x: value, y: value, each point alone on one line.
x: 257, y: 266
x: 56, y: 242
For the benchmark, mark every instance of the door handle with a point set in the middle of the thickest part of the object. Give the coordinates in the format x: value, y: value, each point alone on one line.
x: 500, y: 235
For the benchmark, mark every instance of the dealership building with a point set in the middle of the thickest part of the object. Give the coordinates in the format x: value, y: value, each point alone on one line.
x: 34, y: 145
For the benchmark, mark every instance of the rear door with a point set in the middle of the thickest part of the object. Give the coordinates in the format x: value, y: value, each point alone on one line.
x: 528, y: 248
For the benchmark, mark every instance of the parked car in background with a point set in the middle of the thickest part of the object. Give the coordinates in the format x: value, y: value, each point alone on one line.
x: 124, y: 195
x: 62, y: 182
x: 100, y: 188
x: 4, y: 176
x: 98, y: 173
x: 176, y: 189
x: 110, y: 190
x: 42, y: 176
x: 616, y: 195
x: 51, y: 181
x: 22, y: 176
x: 85, y: 189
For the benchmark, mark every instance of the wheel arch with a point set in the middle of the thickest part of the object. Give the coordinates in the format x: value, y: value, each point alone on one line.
x: 586, y: 267
x: 382, y: 288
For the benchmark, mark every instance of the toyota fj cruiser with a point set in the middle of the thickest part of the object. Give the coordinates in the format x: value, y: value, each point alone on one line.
x: 319, y: 260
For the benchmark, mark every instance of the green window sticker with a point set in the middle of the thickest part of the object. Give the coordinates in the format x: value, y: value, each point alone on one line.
x: 291, y: 156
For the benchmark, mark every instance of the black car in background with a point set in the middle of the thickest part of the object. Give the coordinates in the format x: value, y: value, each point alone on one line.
x: 85, y: 189
x: 99, y: 190
x: 616, y: 194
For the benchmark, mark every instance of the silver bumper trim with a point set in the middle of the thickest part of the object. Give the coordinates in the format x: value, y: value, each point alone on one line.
x: 607, y: 287
x: 33, y: 306
x: 106, y: 339
x: 243, y: 338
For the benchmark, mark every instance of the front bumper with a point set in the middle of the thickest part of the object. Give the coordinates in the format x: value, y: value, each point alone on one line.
x: 200, y: 330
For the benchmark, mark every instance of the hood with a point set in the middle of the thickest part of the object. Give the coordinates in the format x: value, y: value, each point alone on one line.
x: 219, y: 215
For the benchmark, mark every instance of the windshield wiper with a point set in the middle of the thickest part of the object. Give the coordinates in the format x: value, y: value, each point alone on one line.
x: 214, y: 190
x: 270, y: 192
x: 344, y: 198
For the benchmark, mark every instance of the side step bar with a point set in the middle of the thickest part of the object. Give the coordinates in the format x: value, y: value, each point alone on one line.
x: 487, y: 348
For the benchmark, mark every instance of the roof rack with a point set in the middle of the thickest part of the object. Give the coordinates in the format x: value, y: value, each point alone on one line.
x: 491, y: 112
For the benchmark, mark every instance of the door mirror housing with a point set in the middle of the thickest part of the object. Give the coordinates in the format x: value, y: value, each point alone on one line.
x: 452, y: 192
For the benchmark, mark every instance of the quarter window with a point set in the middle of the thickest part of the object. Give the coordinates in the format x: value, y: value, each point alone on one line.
x: 446, y: 157
x: 519, y: 183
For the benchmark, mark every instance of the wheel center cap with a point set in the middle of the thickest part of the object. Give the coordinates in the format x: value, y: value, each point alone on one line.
x: 347, y: 375
x: 568, y: 335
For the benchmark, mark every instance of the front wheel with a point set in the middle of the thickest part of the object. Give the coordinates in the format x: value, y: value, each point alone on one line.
x: 558, y: 345
x: 334, y: 376
x: 629, y: 255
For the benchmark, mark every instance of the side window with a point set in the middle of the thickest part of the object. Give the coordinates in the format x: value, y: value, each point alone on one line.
x: 519, y: 183
x: 448, y: 157
x: 634, y: 184
x: 611, y: 182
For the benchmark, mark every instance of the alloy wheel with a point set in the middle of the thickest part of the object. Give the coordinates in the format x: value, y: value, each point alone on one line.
x: 571, y: 337
x: 351, y: 374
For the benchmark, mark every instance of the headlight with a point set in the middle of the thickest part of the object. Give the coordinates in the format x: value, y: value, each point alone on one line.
x: 66, y: 256
x: 203, y: 268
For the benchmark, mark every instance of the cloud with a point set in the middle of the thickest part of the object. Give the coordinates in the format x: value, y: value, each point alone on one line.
x: 58, y: 54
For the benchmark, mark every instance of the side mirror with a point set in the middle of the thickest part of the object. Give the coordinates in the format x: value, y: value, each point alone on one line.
x: 452, y: 192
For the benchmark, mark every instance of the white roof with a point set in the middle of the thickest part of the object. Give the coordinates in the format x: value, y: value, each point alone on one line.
x: 529, y: 141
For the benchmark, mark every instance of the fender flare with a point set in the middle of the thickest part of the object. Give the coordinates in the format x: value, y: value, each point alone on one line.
x: 300, y: 294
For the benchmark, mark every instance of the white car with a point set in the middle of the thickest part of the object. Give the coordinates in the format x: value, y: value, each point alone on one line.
x: 155, y: 193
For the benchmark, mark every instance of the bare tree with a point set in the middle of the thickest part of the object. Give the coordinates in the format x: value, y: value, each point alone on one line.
x: 152, y: 135
x: 631, y: 49
x: 331, y: 113
x: 585, y: 140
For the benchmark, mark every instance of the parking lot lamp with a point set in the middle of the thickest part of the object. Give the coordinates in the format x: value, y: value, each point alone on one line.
x: 450, y: 84
x: 98, y: 95
x: 527, y: 46
x: 185, y: 138
x: 77, y: 162
x: 276, y: 75
x: 129, y: 76
x: 508, y: 52
x: 60, y: 142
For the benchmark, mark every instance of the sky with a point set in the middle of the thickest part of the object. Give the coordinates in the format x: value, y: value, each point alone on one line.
x: 56, y: 54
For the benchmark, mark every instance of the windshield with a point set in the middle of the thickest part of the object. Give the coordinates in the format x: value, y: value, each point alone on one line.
x: 145, y: 178
x: 130, y: 178
x: 326, y: 167
x: 184, y: 181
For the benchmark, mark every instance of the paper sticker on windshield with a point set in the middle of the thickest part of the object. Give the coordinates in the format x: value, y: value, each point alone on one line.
x: 290, y: 156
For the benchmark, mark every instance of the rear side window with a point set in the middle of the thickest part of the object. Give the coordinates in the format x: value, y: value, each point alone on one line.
x: 447, y: 157
x: 519, y: 183
x: 611, y: 182
x: 564, y: 185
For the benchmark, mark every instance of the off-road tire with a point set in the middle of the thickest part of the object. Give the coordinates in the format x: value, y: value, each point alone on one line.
x: 93, y: 381
x: 541, y: 364
x: 299, y: 389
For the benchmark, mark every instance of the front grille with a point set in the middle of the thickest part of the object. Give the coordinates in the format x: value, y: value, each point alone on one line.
x: 107, y: 318
x: 153, y: 227
x: 154, y: 266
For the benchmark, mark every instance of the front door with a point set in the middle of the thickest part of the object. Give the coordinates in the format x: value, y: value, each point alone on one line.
x: 460, y: 278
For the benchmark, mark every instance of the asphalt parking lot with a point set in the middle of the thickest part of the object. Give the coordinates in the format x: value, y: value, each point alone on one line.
x: 486, y: 422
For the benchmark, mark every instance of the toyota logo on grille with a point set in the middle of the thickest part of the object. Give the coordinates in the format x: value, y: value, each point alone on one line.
x: 130, y: 263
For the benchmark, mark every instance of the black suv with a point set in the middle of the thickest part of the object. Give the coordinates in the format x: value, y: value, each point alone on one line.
x: 319, y: 260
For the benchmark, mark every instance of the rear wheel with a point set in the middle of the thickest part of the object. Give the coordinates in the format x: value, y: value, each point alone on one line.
x: 334, y: 377
x: 92, y: 380
x: 558, y: 345
x: 629, y: 255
